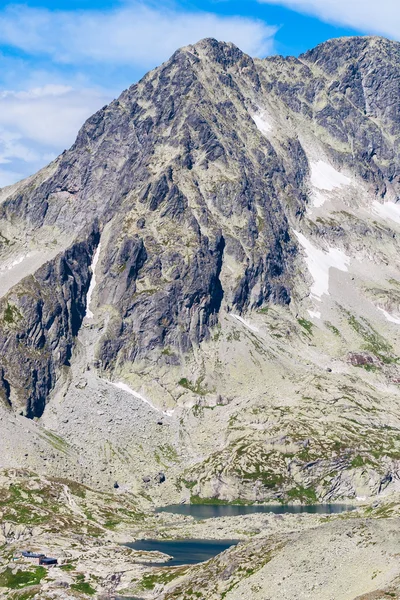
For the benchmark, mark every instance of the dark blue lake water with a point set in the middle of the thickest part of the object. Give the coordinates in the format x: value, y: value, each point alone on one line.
x: 184, y: 552
x: 211, y: 511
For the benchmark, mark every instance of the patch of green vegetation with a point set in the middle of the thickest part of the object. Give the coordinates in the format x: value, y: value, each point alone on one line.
x: 218, y: 333
x: 327, y: 222
x: 368, y: 367
x: 112, y: 523
x: 394, y: 282
x: 307, y: 325
x: 196, y: 387
x: 234, y: 335
x: 188, y: 484
x: 198, y: 410
x: 232, y: 420
x: 169, y: 453
x: 167, y: 351
x: 357, y: 461
x: 305, y: 495
x: 264, y: 310
x: 88, y: 514
x: 83, y: 586
x: 21, y: 579
x: 150, y: 580
x: 217, y: 501
x: 150, y: 292
x: 26, y: 595
x: 4, y: 240
x: 269, y: 479
x: 21, y: 506
x: 12, y: 314
x: 77, y: 489
x: 332, y: 328
x: 373, y: 341
x: 56, y: 441
x: 67, y: 567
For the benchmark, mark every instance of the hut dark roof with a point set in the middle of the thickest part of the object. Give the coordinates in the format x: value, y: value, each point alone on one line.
x: 47, y: 561
x: 27, y: 554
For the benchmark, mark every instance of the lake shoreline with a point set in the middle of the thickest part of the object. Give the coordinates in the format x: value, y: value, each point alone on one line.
x: 211, y: 511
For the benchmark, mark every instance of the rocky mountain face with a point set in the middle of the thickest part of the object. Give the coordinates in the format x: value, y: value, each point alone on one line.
x: 220, y: 249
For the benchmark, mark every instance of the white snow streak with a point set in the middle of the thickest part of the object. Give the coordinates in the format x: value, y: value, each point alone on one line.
x: 319, y: 262
x: 314, y: 314
x: 262, y: 123
x: 89, y: 314
x: 318, y: 199
x: 324, y: 177
x: 16, y: 262
x: 389, y: 317
x: 388, y: 210
x: 245, y: 323
x: 126, y: 388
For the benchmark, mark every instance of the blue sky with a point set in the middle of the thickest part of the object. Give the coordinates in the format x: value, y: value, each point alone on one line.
x: 62, y: 60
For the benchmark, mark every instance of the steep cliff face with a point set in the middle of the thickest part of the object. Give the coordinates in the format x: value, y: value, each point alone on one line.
x: 41, y: 317
x: 244, y: 220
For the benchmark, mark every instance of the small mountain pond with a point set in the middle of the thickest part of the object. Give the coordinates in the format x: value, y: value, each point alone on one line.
x: 211, y: 511
x: 183, y: 552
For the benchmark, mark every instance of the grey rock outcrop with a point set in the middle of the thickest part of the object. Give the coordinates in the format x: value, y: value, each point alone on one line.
x: 41, y: 316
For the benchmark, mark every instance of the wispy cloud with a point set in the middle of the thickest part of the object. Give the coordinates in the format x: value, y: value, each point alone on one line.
x: 369, y: 16
x: 36, y: 124
x: 58, y: 54
x: 49, y: 115
x: 132, y: 34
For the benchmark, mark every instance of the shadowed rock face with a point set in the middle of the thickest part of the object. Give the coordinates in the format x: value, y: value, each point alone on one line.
x: 42, y: 317
x: 194, y: 203
x: 362, y: 81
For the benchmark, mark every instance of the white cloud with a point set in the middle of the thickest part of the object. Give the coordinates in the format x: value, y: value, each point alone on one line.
x: 50, y: 115
x: 11, y: 147
x: 36, y: 124
x: 134, y: 34
x: 370, y: 16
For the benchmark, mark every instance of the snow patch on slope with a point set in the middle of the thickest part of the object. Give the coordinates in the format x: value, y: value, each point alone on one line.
x: 262, y: 122
x: 389, y: 317
x: 16, y: 262
x: 319, y: 262
x: 314, y: 314
x: 245, y: 323
x: 126, y: 388
x: 387, y: 210
x: 89, y: 314
x: 325, y: 178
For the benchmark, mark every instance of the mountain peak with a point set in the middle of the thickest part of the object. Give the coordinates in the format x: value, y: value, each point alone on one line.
x: 336, y: 52
x: 225, y: 53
